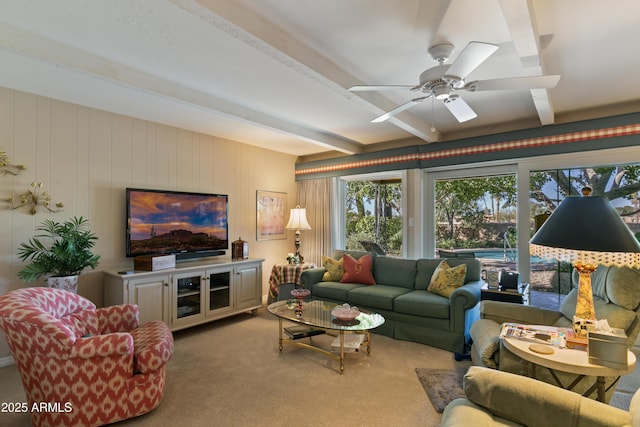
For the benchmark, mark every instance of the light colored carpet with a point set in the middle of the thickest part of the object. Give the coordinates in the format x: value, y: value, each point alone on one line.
x: 230, y: 373
x: 442, y: 385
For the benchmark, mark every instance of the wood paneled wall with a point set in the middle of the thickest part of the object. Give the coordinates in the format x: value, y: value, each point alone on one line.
x: 87, y: 157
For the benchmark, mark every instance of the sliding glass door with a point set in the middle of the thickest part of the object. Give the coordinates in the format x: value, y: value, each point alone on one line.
x: 474, y: 215
x: 619, y: 183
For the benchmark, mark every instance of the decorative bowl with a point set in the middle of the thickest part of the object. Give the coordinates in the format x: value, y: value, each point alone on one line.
x: 300, y: 293
x: 345, y: 312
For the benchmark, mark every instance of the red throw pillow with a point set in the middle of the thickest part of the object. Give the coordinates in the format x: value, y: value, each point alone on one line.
x: 358, y: 271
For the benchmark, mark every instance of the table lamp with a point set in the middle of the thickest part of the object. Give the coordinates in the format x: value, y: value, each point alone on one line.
x: 586, y: 232
x: 298, y: 221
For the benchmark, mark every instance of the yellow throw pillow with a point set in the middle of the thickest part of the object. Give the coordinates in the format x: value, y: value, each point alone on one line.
x: 447, y: 279
x: 335, y: 269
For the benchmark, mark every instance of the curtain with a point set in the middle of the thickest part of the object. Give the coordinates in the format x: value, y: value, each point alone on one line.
x: 315, y: 196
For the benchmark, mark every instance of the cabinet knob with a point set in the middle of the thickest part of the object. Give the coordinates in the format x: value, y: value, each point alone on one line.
x: 166, y: 283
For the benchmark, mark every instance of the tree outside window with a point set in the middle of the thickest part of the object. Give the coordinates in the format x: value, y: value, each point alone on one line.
x: 478, y: 214
x: 374, y: 214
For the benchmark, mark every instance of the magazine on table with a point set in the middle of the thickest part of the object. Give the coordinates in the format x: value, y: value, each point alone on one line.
x: 550, y: 335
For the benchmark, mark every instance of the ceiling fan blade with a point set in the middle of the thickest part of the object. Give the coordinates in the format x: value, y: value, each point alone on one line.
x: 474, y: 54
x: 514, y: 83
x: 384, y: 87
x: 398, y: 109
x: 459, y: 108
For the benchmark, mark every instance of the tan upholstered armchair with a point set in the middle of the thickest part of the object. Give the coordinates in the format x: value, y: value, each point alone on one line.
x: 97, y: 365
x: 495, y: 398
x: 616, y: 298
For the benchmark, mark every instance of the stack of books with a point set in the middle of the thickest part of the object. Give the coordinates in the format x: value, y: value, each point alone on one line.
x: 302, y: 331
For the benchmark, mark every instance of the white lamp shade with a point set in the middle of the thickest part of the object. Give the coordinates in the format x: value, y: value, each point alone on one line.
x: 298, y: 219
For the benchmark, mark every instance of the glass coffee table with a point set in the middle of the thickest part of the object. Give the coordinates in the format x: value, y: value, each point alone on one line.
x: 317, y: 315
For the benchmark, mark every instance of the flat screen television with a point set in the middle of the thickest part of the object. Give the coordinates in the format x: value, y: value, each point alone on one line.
x: 186, y: 224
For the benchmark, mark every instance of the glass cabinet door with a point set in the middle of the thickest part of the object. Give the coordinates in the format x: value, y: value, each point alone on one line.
x: 188, y: 295
x: 219, y: 290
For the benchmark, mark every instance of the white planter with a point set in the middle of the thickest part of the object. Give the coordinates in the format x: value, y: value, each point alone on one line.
x: 67, y: 283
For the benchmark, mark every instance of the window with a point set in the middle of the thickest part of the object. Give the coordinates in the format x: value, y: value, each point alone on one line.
x: 619, y: 183
x: 477, y: 215
x: 373, y: 209
x: 474, y: 214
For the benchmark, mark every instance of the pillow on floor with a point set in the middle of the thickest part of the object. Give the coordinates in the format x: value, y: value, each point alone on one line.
x: 447, y: 279
x: 358, y: 271
x: 335, y: 269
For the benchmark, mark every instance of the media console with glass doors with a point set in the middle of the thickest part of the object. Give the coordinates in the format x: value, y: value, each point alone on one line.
x: 190, y: 293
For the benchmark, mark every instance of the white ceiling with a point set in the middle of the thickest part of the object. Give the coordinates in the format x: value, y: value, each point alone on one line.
x: 275, y: 73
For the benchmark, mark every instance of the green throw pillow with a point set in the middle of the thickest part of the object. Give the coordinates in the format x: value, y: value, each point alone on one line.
x: 447, y: 279
x: 335, y: 269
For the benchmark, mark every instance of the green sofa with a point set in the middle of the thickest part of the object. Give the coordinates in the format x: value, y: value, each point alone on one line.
x: 495, y: 398
x: 400, y: 295
x: 616, y: 298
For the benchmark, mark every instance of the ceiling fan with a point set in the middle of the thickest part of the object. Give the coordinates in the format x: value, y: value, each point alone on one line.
x: 443, y: 80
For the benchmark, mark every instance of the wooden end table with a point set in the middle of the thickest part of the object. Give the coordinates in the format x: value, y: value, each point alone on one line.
x: 569, y: 360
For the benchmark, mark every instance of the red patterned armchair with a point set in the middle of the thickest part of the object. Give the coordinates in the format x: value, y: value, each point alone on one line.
x: 82, y: 366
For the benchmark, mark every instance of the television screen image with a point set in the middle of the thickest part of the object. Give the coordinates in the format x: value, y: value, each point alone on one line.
x: 173, y: 222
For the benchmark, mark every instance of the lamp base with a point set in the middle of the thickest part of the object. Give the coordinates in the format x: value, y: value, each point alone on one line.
x: 585, y: 316
x: 298, y: 256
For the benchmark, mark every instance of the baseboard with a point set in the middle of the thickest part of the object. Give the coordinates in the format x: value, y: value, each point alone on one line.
x: 7, y: 361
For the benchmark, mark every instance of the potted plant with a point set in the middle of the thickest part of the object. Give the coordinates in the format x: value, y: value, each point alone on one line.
x: 63, y: 255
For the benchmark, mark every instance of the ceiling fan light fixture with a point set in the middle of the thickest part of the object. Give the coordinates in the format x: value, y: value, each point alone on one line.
x: 441, y: 91
x: 454, y: 82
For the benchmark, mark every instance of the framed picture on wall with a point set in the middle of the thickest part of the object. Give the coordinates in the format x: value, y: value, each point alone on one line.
x: 270, y: 215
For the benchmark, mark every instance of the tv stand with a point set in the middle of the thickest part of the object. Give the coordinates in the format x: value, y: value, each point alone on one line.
x: 191, y: 293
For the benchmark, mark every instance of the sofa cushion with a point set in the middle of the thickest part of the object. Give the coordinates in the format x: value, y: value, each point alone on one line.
x: 339, y: 253
x: 425, y: 268
x: 336, y: 291
x: 421, y: 303
x: 376, y: 297
x: 598, y: 281
x: 395, y: 272
x: 486, y: 341
x: 617, y: 317
x: 513, y: 396
x: 358, y: 271
x: 335, y: 269
x: 447, y: 279
x: 621, y: 287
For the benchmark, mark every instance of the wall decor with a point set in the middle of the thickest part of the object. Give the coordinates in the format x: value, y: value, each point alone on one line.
x: 34, y: 199
x: 6, y: 167
x: 270, y: 215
